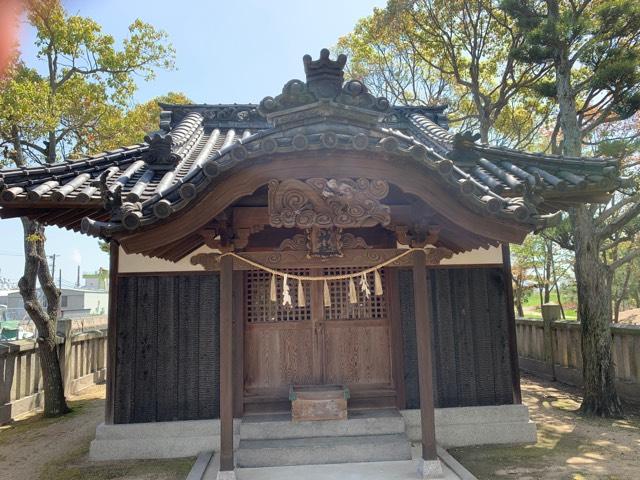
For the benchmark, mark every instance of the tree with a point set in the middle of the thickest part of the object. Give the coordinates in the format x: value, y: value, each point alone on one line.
x: 537, y: 263
x: 427, y: 51
x: 75, y: 106
x: 593, y: 49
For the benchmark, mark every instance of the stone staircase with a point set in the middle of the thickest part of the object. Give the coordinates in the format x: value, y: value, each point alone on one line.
x: 366, y: 436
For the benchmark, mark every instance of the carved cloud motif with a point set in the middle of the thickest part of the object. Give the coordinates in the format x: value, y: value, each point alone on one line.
x: 319, y: 202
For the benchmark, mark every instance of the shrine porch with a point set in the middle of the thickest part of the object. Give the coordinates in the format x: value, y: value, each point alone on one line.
x: 387, y: 470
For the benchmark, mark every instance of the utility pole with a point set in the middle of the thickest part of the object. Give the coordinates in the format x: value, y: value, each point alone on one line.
x: 78, y: 278
x: 53, y: 264
x: 60, y: 279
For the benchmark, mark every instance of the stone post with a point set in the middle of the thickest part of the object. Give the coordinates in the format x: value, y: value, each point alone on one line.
x: 64, y: 353
x: 550, y: 314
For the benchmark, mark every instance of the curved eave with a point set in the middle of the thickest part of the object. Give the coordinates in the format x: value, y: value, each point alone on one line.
x: 385, y: 143
x: 512, y: 172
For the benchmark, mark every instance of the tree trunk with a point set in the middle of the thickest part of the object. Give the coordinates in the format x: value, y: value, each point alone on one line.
x: 547, y: 270
x: 518, y: 293
x: 621, y: 294
x: 35, y: 267
x: 593, y: 280
x: 557, y: 287
x: 593, y: 277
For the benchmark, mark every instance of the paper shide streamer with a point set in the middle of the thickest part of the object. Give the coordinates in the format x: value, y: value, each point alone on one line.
x: 365, y: 288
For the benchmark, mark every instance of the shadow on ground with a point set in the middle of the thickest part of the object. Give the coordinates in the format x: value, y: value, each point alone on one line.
x: 569, y: 446
x: 57, y: 448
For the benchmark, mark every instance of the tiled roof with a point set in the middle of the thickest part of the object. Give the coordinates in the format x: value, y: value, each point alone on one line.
x: 129, y: 188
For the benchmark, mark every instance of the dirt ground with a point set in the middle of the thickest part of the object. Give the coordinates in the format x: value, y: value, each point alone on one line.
x: 569, y: 446
x: 38, y: 448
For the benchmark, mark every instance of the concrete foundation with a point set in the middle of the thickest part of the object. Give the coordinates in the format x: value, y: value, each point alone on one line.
x: 428, y: 469
x: 158, y: 439
x: 504, y: 424
x: 465, y: 426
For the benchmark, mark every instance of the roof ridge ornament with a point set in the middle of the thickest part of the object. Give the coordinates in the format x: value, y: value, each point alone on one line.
x: 325, y: 76
x: 325, y: 94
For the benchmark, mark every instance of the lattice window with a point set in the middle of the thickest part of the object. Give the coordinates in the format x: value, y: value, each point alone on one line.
x: 365, y: 309
x: 260, y: 308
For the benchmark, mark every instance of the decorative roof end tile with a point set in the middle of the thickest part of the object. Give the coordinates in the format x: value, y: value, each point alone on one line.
x: 160, y: 155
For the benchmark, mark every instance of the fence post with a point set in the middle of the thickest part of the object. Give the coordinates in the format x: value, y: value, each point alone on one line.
x: 64, y: 354
x: 550, y: 313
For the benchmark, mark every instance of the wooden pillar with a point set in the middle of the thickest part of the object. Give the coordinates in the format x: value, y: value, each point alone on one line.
x: 226, y: 367
x: 112, y: 325
x: 511, y: 325
x: 422, y: 301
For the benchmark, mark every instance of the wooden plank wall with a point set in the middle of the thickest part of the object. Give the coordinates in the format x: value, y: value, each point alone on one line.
x: 470, y: 338
x: 167, y: 349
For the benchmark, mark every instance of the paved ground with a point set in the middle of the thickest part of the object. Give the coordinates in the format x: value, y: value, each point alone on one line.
x: 402, y: 470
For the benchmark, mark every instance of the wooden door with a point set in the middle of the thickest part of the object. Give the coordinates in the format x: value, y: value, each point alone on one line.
x: 357, y: 336
x: 278, y: 339
x: 342, y: 343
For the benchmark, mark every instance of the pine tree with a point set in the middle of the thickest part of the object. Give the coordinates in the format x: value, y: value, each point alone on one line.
x: 593, y: 49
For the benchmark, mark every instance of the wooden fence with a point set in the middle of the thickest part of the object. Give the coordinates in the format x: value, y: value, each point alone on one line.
x: 552, y: 348
x: 83, y: 362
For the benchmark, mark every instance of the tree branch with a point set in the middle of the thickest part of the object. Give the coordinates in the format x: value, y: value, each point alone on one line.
x: 622, y: 260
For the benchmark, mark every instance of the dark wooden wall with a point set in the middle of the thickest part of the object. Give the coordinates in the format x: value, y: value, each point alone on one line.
x: 470, y: 338
x: 167, y: 357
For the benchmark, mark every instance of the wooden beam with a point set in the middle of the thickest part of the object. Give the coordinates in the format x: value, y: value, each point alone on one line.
x: 298, y: 259
x: 112, y: 323
x: 226, y: 364
x: 511, y: 325
x: 422, y: 302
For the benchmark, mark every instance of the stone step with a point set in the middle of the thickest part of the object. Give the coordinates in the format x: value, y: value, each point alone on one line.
x: 323, y: 450
x: 374, y: 422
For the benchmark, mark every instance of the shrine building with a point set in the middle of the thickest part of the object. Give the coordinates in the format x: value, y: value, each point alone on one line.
x: 320, y: 278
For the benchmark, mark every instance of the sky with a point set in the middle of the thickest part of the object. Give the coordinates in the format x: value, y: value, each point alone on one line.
x: 226, y: 51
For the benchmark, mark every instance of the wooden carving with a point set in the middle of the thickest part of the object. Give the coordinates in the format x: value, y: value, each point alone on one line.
x: 350, y: 241
x: 436, y: 255
x: 299, y: 242
x: 325, y: 242
x: 318, y: 243
x: 318, y: 202
x: 210, y: 261
x: 418, y: 235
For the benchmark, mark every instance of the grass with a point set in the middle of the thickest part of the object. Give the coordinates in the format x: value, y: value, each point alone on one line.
x: 531, y: 307
x: 74, y: 466
x: 570, y: 313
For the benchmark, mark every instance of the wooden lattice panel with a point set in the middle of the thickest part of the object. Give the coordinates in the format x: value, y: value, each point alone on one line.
x: 374, y: 307
x: 260, y: 308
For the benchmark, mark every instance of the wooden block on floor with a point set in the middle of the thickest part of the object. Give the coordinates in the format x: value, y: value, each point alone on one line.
x: 318, y: 402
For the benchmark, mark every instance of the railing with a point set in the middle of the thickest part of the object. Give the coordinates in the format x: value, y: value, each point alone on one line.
x: 83, y: 362
x: 552, y: 348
